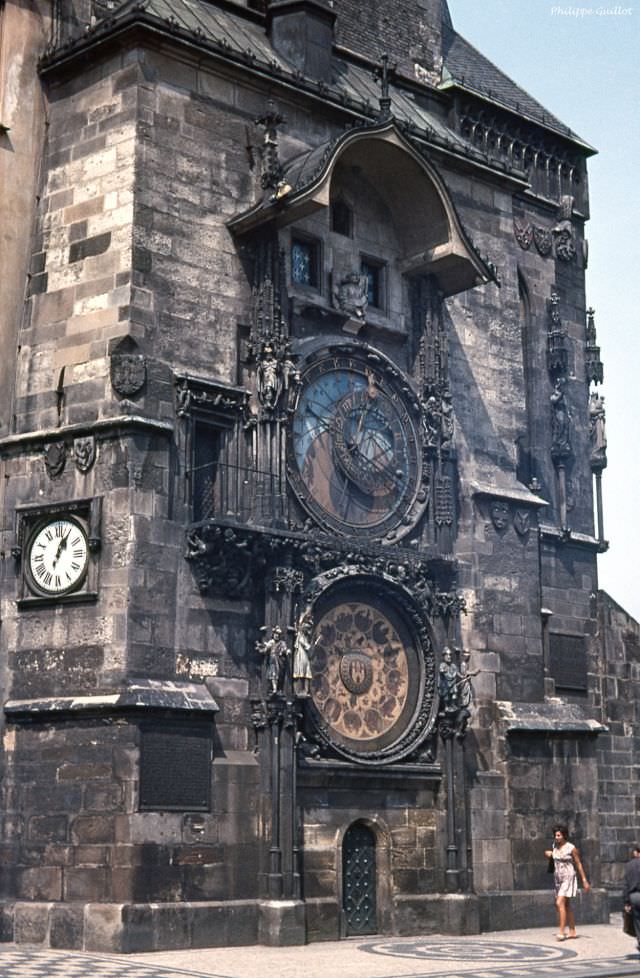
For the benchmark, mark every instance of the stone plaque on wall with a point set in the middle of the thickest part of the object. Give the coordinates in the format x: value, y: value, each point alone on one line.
x: 175, y: 766
x: 568, y: 655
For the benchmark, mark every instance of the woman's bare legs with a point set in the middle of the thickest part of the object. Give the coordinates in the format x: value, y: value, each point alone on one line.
x: 571, y: 920
x: 561, y: 906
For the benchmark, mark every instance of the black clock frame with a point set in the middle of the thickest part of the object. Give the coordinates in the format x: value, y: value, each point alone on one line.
x: 87, y: 513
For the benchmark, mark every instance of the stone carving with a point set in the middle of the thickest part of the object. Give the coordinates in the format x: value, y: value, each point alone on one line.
x: 301, y: 667
x: 560, y: 422
x: 563, y: 237
x: 443, y: 500
x: 287, y: 579
x: 272, y: 171
x: 350, y: 295
x: 597, y: 431
x: 84, y: 452
x: 500, y: 514
x: 456, y: 694
x: 594, y: 369
x: 543, y: 240
x: 557, y: 352
x: 523, y: 231
x: 128, y: 372
x: 384, y: 74
x: 55, y: 457
x: 522, y: 521
x: 276, y: 654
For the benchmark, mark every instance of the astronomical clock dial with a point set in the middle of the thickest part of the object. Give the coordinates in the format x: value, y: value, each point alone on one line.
x: 372, y: 692
x: 354, y: 447
x: 57, y: 557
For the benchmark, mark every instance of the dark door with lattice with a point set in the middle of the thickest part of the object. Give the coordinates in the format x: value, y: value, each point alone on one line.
x: 359, y: 880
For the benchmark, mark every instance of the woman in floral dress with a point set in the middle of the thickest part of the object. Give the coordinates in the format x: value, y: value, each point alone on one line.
x: 566, y: 868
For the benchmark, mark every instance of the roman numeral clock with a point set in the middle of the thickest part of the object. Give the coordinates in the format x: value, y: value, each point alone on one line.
x: 56, y: 549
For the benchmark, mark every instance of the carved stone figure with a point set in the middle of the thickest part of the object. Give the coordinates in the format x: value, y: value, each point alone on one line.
x: 446, y: 420
x: 431, y: 422
x: 560, y: 422
x: 269, y: 379
x: 456, y: 692
x: 276, y: 653
x: 301, y: 666
x: 499, y: 512
x: 563, y: 231
x: 597, y: 431
x: 350, y: 295
x: 84, y: 452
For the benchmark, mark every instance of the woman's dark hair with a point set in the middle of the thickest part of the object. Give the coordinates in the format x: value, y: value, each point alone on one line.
x: 561, y: 828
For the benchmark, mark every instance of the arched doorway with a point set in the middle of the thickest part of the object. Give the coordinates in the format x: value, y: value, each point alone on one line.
x: 359, y: 880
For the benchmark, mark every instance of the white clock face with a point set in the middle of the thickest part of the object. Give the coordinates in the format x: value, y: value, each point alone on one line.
x: 58, y: 556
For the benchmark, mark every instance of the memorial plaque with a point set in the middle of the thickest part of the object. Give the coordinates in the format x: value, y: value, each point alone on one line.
x: 175, y: 767
x: 568, y: 655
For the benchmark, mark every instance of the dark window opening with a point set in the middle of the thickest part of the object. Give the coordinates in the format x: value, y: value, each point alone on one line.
x: 341, y: 218
x: 206, y: 471
x: 305, y: 262
x: 568, y: 662
x: 373, y: 271
x: 175, y: 766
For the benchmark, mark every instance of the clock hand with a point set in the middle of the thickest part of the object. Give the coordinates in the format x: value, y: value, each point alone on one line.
x: 61, y: 546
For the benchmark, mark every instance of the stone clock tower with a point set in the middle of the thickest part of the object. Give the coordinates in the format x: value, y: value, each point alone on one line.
x: 298, y: 594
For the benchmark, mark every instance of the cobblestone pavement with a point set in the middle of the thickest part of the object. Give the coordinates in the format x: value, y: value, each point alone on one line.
x: 600, y: 952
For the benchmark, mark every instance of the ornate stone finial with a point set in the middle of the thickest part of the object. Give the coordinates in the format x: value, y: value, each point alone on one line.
x: 594, y: 369
x: 557, y: 353
x: 384, y: 74
x: 271, y: 166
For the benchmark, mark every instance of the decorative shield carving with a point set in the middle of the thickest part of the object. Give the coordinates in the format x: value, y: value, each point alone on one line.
x: 55, y: 456
x: 522, y: 521
x: 356, y: 672
x: 543, y: 240
x: 84, y: 452
x: 128, y: 373
x: 523, y: 231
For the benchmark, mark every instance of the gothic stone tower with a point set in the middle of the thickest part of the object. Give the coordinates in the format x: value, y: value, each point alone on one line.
x: 298, y: 629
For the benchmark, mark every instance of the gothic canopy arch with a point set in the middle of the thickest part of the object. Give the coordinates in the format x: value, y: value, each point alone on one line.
x: 432, y: 238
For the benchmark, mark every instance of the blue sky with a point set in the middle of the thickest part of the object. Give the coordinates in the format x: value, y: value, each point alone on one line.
x: 580, y: 61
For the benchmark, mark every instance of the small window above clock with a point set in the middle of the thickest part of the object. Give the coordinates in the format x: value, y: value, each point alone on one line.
x: 373, y: 271
x: 305, y: 261
x: 341, y: 218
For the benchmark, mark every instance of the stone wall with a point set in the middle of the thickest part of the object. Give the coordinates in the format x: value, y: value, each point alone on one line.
x: 618, y: 749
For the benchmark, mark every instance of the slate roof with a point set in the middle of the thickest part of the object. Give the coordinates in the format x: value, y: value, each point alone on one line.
x: 466, y: 66
x: 243, y: 38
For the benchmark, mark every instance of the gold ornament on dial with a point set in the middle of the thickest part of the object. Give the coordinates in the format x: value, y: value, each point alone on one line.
x: 58, y: 556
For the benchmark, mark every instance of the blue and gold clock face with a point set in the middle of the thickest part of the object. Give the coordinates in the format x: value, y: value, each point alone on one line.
x: 355, y: 461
